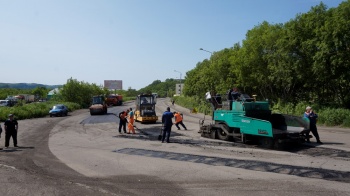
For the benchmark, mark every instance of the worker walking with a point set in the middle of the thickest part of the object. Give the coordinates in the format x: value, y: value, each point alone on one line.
x: 131, y: 122
x: 122, y: 121
x: 312, y: 116
x: 167, y: 123
x: 178, y: 120
x: 0, y: 133
x: 11, y: 127
x: 233, y: 94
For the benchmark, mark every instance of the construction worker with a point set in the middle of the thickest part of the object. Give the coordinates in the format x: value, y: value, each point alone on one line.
x: 178, y: 120
x: 11, y: 127
x: 131, y: 122
x: 123, y: 120
x: 167, y: 124
x: 312, y: 116
x: 0, y: 133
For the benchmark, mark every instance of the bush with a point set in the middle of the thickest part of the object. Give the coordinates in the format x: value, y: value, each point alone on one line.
x: 334, y: 117
x: 192, y: 102
x: 346, y: 122
x: 33, y: 110
x: 326, y: 116
x: 128, y: 98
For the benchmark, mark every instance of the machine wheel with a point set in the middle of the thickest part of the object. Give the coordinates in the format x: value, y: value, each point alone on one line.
x: 243, y: 138
x: 279, y: 146
x: 213, y: 134
x: 222, y: 135
x: 267, y: 142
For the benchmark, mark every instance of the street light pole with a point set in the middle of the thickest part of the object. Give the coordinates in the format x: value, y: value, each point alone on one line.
x: 180, y: 81
x: 205, y: 50
x: 211, y: 53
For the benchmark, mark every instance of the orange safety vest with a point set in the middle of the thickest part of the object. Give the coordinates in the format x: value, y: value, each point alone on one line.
x: 178, y: 117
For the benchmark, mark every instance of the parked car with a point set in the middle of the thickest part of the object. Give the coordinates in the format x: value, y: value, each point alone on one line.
x: 4, y: 103
x: 59, y: 110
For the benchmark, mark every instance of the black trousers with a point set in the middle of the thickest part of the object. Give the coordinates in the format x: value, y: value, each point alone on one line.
x: 182, y: 124
x: 8, y: 136
x: 166, y: 133
x: 314, y: 131
x: 122, y: 123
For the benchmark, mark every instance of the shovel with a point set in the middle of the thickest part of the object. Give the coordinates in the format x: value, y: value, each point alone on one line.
x: 137, y: 128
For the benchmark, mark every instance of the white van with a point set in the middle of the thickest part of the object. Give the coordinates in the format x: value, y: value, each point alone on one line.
x: 4, y: 102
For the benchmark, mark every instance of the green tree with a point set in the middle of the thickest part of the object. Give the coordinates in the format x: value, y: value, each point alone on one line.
x: 162, y: 88
x: 80, y: 92
x: 304, y: 60
x: 40, y: 92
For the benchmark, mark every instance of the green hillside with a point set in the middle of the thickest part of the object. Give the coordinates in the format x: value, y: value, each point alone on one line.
x: 27, y: 85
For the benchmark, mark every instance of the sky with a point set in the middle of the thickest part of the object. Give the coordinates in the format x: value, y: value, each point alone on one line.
x: 136, y: 41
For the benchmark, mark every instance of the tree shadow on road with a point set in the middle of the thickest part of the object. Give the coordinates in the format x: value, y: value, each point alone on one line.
x: 254, y: 165
x: 151, y: 133
x: 318, y: 150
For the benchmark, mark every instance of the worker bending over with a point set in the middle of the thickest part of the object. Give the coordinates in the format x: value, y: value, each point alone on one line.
x: 178, y: 120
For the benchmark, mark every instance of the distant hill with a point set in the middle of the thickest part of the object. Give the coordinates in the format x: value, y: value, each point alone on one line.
x: 27, y: 85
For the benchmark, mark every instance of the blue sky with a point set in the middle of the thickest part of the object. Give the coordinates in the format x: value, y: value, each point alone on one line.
x: 137, y: 41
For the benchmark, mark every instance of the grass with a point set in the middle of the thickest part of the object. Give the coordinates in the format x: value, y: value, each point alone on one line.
x: 33, y: 110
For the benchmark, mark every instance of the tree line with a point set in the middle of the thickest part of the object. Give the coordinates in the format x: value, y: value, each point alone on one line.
x: 164, y: 89
x: 303, y: 60
x: 81, y: 92
x: 40, y: 92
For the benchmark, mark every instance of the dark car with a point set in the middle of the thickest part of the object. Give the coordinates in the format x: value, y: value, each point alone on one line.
x: 59, y: 110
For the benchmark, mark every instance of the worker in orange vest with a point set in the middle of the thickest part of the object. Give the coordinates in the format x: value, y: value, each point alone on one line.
x: 178, y: 120
x: 131, y: 122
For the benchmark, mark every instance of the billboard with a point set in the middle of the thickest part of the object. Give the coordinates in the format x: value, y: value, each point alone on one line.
x: 113, y: 84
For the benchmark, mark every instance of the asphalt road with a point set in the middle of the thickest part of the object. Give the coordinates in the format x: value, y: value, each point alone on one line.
x: 85, y: 155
